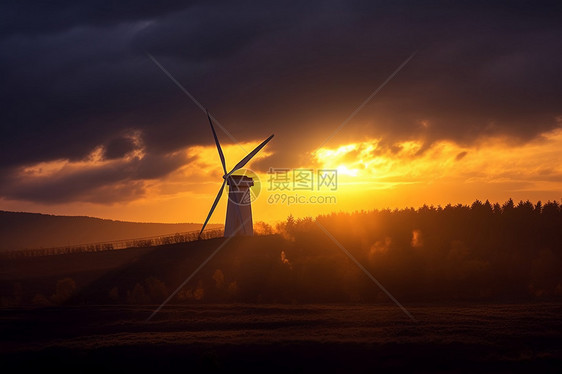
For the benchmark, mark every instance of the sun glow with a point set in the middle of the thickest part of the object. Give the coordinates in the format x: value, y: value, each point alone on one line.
x: 372, y: 173
x: 344, y: 170
x: 494, y: 164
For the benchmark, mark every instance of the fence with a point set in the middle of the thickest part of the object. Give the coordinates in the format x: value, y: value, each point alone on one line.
x: 116, y: 244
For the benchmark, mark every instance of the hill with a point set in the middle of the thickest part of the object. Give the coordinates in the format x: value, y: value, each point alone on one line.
x: 458, y: 253
x: 33, y: 230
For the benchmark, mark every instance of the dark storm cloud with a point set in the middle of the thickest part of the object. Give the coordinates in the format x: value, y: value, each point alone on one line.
x: 98, y: 183
x: 76, y: 76
x: 201, y: 35
x: 118, y: 148
x: 37, y: 17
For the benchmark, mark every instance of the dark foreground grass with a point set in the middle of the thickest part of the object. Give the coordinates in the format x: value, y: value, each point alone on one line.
x: 284, y: 338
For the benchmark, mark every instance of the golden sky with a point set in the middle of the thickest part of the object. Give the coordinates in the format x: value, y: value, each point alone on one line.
x: 369, y: 175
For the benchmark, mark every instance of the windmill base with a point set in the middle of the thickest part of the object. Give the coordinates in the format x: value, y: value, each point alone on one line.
x: 239, y: 209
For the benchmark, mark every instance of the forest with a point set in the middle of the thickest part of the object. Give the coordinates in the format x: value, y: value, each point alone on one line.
x: 483, y: 252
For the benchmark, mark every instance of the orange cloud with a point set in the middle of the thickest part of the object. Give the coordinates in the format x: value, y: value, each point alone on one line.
x: 371, y: 174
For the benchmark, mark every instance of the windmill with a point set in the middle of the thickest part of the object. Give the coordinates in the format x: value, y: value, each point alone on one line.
x: 239, y: 209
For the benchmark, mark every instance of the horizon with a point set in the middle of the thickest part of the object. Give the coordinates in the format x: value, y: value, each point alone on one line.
x: 273, y: 223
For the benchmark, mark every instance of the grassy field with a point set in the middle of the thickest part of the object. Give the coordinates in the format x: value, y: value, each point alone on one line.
x: 282, y: 338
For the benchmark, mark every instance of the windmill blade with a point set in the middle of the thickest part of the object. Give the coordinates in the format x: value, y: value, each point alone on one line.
x: 221, y: 155
x: 245, y: 160
x: 213, y: 207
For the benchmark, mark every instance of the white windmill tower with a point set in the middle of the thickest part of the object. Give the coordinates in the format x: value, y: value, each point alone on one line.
x: 239, y: 209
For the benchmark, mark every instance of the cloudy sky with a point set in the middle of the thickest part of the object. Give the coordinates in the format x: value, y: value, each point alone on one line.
x: 91, y: 125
